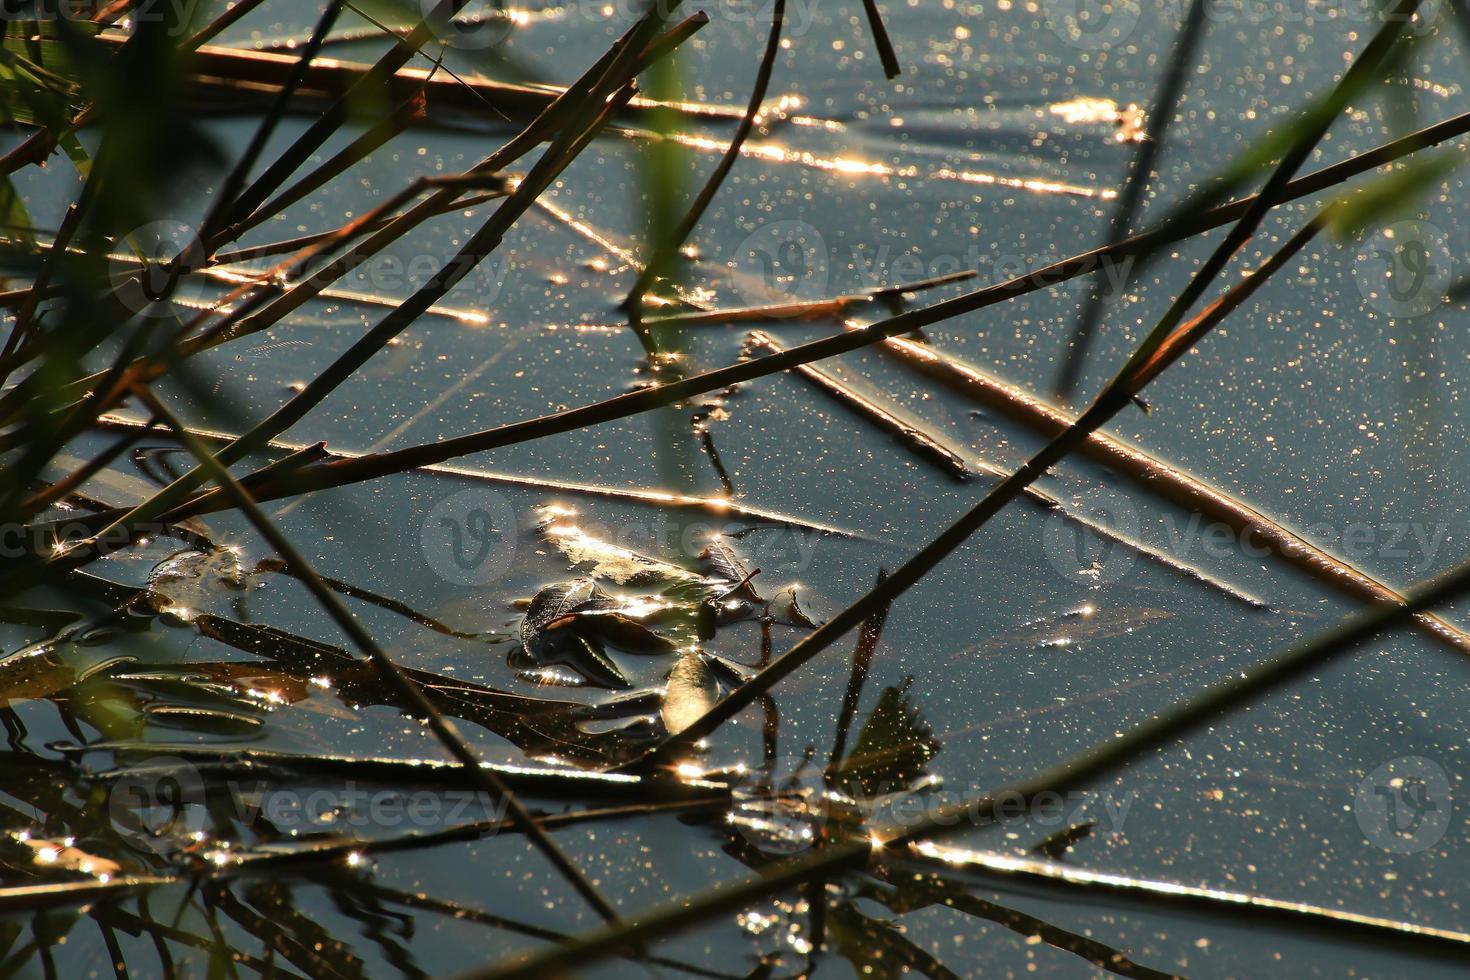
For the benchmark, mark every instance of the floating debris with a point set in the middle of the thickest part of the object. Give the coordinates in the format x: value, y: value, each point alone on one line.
x: 191, y: 581
x: 1067, y: 630
x: 909, y: 433
x: 1058, y: 844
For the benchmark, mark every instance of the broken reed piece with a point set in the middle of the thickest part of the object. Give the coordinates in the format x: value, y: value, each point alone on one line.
x: 804, y: 309
x: 1165, y: 482
x: 717, y: 506
x: 234, y: 74
x: 908, y: 433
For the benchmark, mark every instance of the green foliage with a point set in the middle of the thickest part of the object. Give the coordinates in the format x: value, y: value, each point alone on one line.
x: 15, y: 220
x: 39, y: 83
x: 1392, y: 196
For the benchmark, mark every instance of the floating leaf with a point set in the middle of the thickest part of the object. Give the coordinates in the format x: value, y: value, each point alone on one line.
x: 725, y: 562
x: 548, y: 639
x: 785, y: 608
x: 66, y: 856
x: 607, y: 560
x: 690, y: 694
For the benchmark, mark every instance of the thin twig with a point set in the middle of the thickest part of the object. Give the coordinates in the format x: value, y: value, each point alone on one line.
x: 1162, y: 114
x: 664, y: 252
x: 295, y: 244
x: 1066, y: 881
x: 800, y: 310
x: 717, y: 506
x: 921, y: 442
x: 542, y: 781
x: 369, y: 82
x: 886, y: 54
x: 1167, y: 482
x: 1109, y: 403
x: 1165, y: 728
x: 445, y: 730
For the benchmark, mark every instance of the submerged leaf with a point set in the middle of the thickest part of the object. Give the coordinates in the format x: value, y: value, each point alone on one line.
x: 34, y: 672
x: 620, y: 630
x: 892, y: 749
x: 560, y: 600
